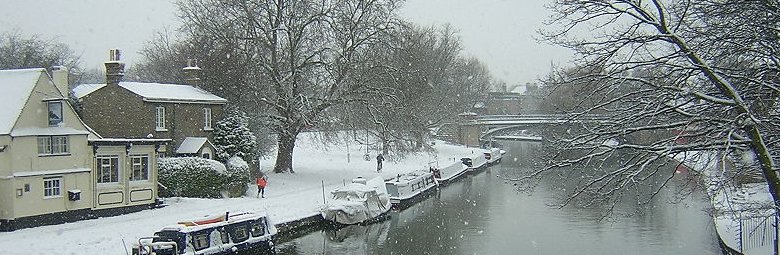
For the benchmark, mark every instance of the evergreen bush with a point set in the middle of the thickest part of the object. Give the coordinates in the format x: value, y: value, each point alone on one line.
x: 192, y: 177
x: 238, y: 177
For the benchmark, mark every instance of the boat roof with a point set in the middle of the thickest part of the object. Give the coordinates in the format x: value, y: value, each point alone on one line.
x: 354, y: 188
x: 233, y: 217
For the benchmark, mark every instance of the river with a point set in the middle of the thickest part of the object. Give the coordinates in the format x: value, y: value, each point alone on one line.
x: 484, y: 214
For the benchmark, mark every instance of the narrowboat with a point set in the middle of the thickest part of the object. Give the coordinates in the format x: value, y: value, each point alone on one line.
x: 493, y: 156
x: 404, y: 188
x: 360, y: 202
x: 475, y: 162
x: 229, y: 233
x: 449, y: 173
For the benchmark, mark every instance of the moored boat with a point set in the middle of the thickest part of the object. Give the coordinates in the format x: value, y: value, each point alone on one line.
x: 360, y: 202
x: 493, y: 156
x: 475, y: 161
x: 404, y: 188
x: 449, y: 173
x: 211, y: 235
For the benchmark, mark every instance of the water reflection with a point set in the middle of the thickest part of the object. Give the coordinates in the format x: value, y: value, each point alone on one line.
x: 484, y: 214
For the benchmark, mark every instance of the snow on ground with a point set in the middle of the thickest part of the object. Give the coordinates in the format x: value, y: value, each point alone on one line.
x: 288, y: 197
x: 731, y: 203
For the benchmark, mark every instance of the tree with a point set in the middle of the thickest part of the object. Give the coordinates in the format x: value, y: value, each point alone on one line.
x: 426, y: 83
x: 232, y: 137
x: 300, y: 56
x: 18, y: 51
x: 657, y: 71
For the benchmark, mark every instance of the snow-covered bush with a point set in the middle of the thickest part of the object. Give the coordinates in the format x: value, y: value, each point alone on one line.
x: 232, y: 136
x: 192, y: 177
x: 238, y: 176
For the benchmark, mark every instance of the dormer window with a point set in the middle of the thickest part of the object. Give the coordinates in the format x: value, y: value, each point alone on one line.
x: 55, y: 113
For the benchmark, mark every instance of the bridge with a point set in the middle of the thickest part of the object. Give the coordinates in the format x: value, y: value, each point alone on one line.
x: 474, y: 130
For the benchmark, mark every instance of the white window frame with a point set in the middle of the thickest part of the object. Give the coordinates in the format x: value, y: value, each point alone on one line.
x: 207, y: 119
x: 114, y: 170
x: 159, y: 120
x: 140, y: 169
x: 52, y: 187
x: 53, y: 145
x: 54, y: 122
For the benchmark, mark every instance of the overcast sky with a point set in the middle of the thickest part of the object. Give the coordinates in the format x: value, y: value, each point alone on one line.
x: 499, y: 32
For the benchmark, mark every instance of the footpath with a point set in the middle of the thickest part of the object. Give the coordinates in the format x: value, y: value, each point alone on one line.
x: 289, y: 198
x: 742, y: 214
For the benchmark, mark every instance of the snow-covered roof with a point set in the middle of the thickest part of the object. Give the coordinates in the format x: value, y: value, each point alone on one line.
x: 86, y: 89
x: 520, y: 89
x: 191, y: 145
x: 157, y: 92
x: 16, y: 86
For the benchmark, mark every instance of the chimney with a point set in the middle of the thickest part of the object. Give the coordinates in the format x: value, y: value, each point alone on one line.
x: 192, y: 73
x: 59, y: 74
x: 115, y: 68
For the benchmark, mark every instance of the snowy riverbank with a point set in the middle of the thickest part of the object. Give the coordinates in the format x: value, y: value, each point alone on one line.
x: 741, y: 217
x: 289, y: 197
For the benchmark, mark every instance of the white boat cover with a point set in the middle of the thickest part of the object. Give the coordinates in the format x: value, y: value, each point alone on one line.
x: 356, y: 202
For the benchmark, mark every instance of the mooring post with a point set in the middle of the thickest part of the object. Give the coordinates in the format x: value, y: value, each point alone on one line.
x: 323, y: 192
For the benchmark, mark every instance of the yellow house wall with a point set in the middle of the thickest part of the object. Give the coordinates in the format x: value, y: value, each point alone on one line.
x: 126, y: 192
x: 5, y: 157
x: 21, y: 164
x: 6, y: 198
x: 33, y: 203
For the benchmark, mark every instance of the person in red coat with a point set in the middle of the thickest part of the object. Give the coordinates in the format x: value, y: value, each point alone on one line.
x: 261, y: 183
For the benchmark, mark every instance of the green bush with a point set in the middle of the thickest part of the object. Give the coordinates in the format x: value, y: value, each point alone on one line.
x: 238, y: 177
x: 192, y: 177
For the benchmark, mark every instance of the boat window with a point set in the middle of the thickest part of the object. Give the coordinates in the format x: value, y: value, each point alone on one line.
x: 170, y: 236
x: 200, y: 241
x: 258, y: 228
x: 239, y: 233
x: 224, y: 235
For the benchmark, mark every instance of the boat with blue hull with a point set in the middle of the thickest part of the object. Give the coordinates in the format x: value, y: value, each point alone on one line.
x: 213, y: 235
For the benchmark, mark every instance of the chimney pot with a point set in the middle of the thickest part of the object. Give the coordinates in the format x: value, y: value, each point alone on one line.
x: 115, y: 68
x: 192, y: 73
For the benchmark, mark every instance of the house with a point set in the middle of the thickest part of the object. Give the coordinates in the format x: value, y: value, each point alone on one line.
x: 49, y: 173
x: 183, y: 113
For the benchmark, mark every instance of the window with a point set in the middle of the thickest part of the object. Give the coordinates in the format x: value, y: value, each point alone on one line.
x: 53, y: 145
x: 258, y: 228
x: 55, y: 113
x: 207, y: 119
x: 52, y: 187
x: 200, y: 241
x: 160, y: 119
x: 140, y: 165
x: 108, y: 169
x: 239, y: 233
x: 206, y: 155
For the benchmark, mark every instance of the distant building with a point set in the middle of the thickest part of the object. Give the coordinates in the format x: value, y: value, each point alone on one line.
x: 519, y: 99
x: 49, y: 173
x: 183, y: 113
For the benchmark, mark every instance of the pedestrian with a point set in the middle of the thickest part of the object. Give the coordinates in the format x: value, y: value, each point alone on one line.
x: 261, y: 183
x: 379, y: 159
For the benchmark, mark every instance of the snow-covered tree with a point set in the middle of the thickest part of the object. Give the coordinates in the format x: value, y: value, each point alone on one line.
x: 665, y: 78
x: 233, y: 138
x: 19, y: 51
x: 426, y: 82
x: 299, y: 56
